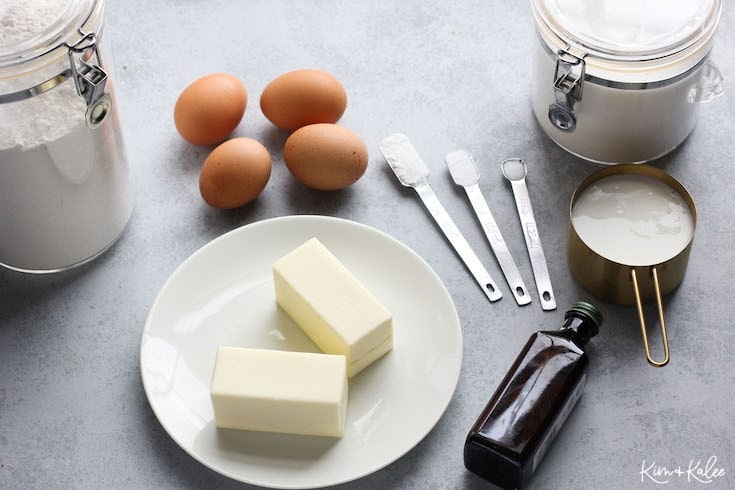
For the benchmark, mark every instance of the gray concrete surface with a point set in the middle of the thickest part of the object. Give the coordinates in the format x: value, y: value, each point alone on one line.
x: 73, y: 413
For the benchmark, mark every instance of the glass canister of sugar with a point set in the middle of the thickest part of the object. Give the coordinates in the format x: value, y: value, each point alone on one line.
x: 620, y: 81
x: 65, y: 186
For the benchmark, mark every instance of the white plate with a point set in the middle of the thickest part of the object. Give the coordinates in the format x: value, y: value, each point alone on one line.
x: 223, y: 295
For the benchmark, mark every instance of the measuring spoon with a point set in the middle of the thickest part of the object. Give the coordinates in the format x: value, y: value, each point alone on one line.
x: 411, y: 171
x: 465, y: 173
x: 515, y: 170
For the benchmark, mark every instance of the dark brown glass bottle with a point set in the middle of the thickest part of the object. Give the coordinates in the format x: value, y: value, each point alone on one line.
x: 509, y: 438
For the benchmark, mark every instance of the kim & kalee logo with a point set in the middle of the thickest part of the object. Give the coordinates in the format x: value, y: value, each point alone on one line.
x: 697, y: 471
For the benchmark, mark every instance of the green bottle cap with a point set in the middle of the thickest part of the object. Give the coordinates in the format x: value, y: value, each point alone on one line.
x: 589, y: 310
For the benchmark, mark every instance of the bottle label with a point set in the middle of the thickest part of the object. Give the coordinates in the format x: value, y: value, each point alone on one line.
x: 559, y: 422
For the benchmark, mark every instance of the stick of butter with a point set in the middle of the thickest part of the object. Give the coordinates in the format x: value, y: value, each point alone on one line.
x: 280, y: 391
x: 331, y: 306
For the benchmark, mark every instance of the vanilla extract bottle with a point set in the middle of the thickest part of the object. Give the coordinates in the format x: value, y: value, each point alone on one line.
x: 521, y: 420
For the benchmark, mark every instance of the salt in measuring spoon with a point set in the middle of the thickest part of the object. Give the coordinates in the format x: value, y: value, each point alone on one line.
x: 411, y: 171
x: 464, y: 172
x: 515, y: 170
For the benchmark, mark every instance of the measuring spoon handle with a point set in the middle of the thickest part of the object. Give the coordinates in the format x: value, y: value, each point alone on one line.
x: 497, y: 243
x: 460, y: 244
x: 533, y: 243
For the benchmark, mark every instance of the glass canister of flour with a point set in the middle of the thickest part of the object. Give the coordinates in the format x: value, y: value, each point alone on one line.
x: 620, y: 81
x: 65, y: 185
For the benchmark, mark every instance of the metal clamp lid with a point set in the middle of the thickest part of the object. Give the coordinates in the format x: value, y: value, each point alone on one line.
x: 568, y: 82
x: 90, y: 79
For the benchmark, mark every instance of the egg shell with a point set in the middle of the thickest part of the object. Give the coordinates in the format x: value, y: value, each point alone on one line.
x: 302, y: 97
x: 210, y: 108
x: 325, y: 156
x: 235, y: 173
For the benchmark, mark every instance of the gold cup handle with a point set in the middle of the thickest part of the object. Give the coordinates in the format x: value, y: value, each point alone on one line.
x: 641, y: 317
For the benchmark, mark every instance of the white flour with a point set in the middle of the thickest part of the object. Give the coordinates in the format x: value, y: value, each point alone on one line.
x: 20, y: 20
x: 65, y: 190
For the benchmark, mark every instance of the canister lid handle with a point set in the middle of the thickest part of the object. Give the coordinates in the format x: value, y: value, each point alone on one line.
x: 568, y: 82
x: 89, y: 77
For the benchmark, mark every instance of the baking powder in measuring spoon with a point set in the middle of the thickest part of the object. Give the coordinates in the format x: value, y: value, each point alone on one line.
x: 633, y: 220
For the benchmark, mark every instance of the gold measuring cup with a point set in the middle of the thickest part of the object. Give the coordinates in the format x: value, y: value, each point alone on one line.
x: 627, y: 269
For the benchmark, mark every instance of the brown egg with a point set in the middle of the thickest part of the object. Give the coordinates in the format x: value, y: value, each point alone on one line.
x: 302, y: 97
x: 209, y: 109
x: 235, y: 173
x: 325, y: 156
